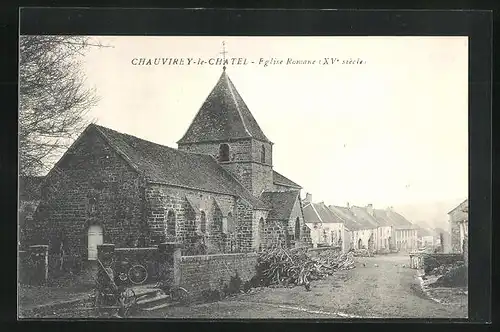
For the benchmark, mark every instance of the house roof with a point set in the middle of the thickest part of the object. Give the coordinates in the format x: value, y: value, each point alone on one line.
x: 30, y: 187
x: 466, y: 201
x: 170, y: 166
x: 348, y: 217
x: 421, y: 232
x: 326, y: 215
x: 223, y: 116
x: 400, y: 222
x: 281, y: 203
x: 282, y: 180
x: 310, y: 214
x: 382, y: 217
x: 364, y: 218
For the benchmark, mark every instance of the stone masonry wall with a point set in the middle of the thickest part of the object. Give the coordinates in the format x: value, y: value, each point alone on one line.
x: 240, y: 150
x: 211, y: 272
x: 455, y: 216
x: 161, y: 199
x: 92, y: 185
x: 455, y: 238
x: 262, y: 179
x: 297, y: 213
x: 244, y: 162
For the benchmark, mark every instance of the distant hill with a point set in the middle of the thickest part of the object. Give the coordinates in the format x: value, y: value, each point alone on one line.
x: 429, y: 214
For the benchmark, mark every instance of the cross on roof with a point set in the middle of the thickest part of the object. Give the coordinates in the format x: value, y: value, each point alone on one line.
x: 224, y: 52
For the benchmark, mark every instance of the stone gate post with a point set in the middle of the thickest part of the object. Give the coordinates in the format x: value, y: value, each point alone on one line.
x: 40, y: 258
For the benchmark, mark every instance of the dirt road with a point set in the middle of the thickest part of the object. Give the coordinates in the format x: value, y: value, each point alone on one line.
x: 387, y: 290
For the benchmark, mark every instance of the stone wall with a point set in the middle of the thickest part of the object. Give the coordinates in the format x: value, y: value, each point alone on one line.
x: 162, y: 199
x: 431, y: 261
x: 456, y: 246
x: 262, y: 178
x: 457, y: 215
x: 239, y: 150
x: 91, y: 185
x: 212, y: 272
x: 244, y: 162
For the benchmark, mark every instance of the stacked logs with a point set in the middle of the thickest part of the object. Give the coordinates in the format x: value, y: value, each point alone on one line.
x: 288, y: 267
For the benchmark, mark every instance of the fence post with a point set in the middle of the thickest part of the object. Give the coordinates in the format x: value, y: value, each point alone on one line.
x: 40, y: 257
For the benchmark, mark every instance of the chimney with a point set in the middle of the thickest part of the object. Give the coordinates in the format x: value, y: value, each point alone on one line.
x: 308, y: 198
x: 369, y: 208
x: 347, y: 204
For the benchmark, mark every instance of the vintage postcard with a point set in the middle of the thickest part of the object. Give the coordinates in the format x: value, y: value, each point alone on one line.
x: 243, y: 177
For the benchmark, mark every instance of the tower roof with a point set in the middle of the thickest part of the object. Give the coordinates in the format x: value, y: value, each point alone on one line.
x: 223, y: 116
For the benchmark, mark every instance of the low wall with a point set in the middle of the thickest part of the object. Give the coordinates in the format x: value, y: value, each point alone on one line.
x: 431, y: 261
x: 212, y: 272
x: 428, y: 261
x: 148, y: 257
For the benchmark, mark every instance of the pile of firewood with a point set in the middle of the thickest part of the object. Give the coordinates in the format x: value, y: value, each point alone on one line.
x: 288, y: 267
x: 362, y: 253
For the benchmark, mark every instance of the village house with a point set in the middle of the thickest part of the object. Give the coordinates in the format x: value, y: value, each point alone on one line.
x: 405, y: 233
x: 459, y: 224
x: 426, y: 238
x: 216, y: 193
x: 313, y: 222
x: 367, y: 238
x: 351, y: 226
x: 329, y: 226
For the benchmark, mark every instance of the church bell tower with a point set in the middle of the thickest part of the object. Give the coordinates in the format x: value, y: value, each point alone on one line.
x: 225, y: 128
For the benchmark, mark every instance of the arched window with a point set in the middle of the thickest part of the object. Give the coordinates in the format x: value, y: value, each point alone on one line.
x: 261, y: 234
x: 224, y: 152
x: 230, y: 223
x: 263, y: 154
x: 297, y: 229
x: 171, y: 223
x: 203, y: 222
x: 218, y: 223
x: 92, y: 205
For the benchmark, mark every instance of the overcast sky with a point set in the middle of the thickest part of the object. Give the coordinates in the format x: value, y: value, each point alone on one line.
x: 391, y: 131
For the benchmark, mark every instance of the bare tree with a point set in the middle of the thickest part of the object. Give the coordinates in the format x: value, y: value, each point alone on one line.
x: 53, y: 97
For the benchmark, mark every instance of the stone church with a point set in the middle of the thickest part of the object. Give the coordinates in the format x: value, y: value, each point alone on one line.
x: 216, y: 193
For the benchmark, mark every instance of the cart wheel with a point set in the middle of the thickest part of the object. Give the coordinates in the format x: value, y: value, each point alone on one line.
x: 180, y: 294
x: 137, y: 274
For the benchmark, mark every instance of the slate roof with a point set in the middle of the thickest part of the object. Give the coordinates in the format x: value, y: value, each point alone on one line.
x: 349, y: 219
x: 364, y: 218
x: 400, y: 222
x: 170, y: 166
x: 326, y: 215
x: 281, y: 203
x: 463, y: 204
x: 30, y: 187
x: 223, y: 116
x: 310, y: 215
x: 382, y: 217
x: 282, y: 180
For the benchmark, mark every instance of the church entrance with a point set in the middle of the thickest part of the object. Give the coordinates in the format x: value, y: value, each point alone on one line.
x: 95, y: 238
x: 360, y: 244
